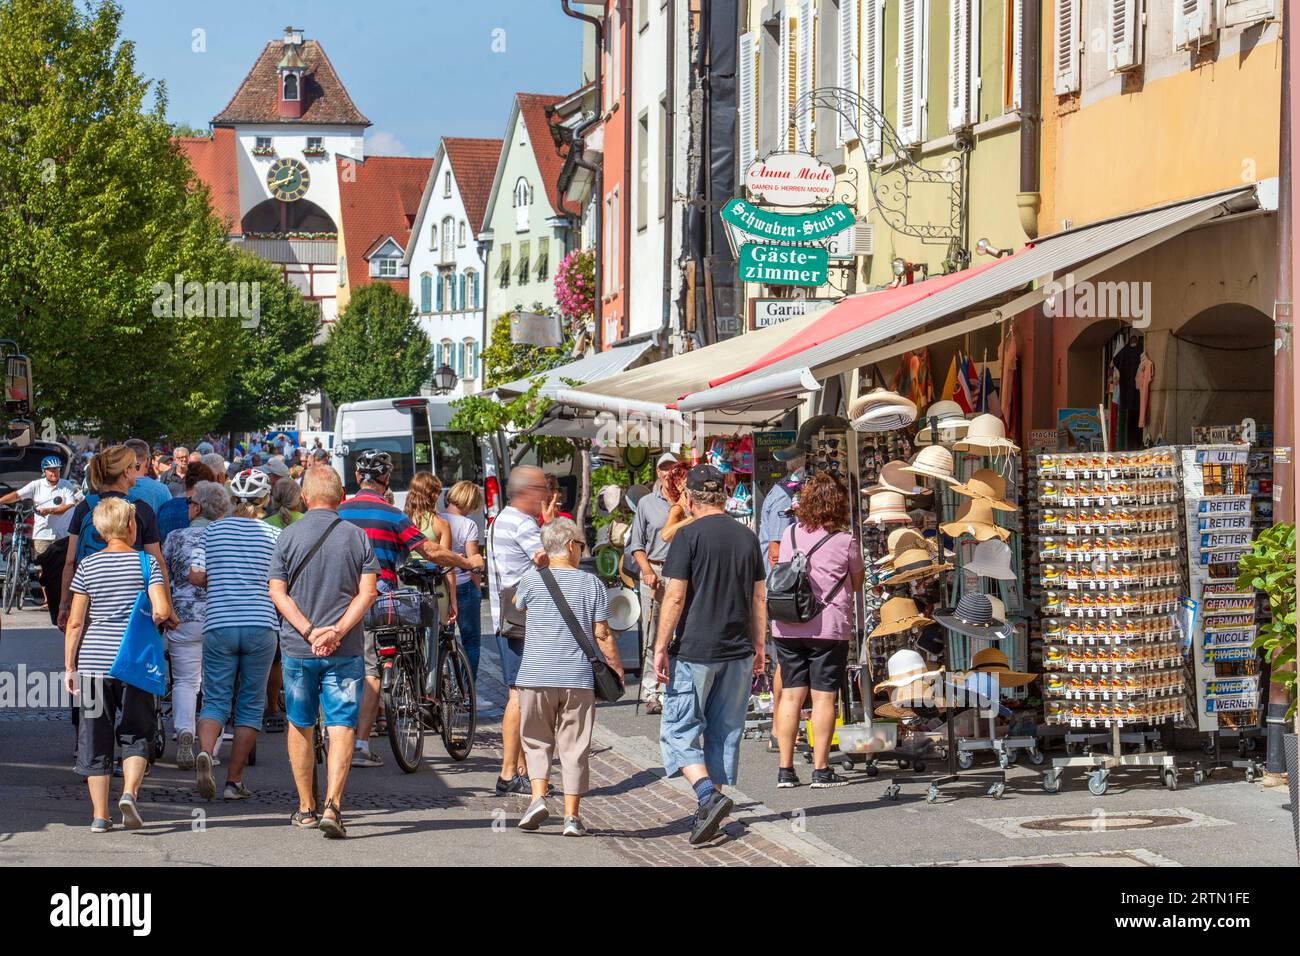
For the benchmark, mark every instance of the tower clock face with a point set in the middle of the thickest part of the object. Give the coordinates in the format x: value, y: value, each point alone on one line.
x: 288, y: 179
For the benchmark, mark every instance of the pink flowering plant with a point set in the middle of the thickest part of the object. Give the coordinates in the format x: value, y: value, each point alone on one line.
x: 575, y: 288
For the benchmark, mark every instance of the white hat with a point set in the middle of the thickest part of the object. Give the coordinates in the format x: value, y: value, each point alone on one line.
x: 905, y: 667
x: 608, y: 499
x: 933, y: 461
x: 950, y: 419
x: 624, y: 609
x: 667, y: 458
x: 992, y: 560
x: 887, y: 507
x: 880, y: 410
x: 987, y: 435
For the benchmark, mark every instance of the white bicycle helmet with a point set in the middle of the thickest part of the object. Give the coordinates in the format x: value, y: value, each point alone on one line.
x: 250, y: 485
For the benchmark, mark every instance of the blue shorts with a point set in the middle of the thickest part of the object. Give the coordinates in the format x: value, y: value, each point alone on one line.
x: 704, y: 716
x: 240, y: 655
x: 512, y: 655
x: 330, y: 685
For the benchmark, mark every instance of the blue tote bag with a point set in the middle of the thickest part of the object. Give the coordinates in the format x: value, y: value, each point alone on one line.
x: 139, y: 660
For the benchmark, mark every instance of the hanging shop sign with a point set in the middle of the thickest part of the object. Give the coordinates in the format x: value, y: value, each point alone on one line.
x: 765, y: 312
x: 790, y: 179
x: 778, y: 227
x: 783, y: 265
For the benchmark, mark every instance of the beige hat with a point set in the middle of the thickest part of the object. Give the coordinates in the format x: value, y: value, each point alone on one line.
x: 906, y: 667
x: 880, y: 410
x: 618, y: 531
x: 894, y: 477
x: 987, y: 435
x: 913, y: 564
x: 950, y: 419
x: 900, y: 540
x: 899, y: 614
x: 887, y: 507
x: 933, y: 461
x: 975, y: 518
x: 993, y: 661
x: 989, y: 486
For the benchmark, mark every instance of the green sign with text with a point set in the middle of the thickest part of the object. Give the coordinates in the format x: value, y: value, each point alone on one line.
x: 782, y: 228
x: 783, y: 265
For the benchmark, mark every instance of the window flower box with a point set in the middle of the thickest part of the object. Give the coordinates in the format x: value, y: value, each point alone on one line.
x: 314, y: 151
x: 263, y: 150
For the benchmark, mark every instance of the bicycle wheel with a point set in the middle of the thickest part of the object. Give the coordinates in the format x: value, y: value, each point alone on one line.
x: 405, y: 722
x: 456, y: 686
x: 13, y: 589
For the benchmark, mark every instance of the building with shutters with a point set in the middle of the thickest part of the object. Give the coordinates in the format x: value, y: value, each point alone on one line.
x: 944, y: 74
x: 528, y: 226
x: 444, y: 259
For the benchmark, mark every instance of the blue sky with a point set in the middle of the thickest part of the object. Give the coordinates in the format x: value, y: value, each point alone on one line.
x: 419, y: 69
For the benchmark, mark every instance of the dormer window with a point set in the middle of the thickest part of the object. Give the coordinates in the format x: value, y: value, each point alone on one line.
x: 388, y: 268
x: 290, y: 87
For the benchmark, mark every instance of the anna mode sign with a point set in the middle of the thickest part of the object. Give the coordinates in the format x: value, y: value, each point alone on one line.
x: 790, y: 179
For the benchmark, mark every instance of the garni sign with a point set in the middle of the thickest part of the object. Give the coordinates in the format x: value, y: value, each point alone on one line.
x: 790, y: 179
x: 776, y: 227
x: 783, y: 265
x: 765, y: 312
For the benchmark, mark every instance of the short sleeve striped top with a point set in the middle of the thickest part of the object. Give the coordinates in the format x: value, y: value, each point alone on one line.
x: 236, y: 554
x: 111, y: 579
x: 552, y: 657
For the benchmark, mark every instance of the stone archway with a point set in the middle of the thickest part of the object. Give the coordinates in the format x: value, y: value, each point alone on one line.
x: 271, y: 215
x: 1085, y: 373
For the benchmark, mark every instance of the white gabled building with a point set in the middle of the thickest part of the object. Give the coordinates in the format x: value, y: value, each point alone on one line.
x: 443, y: 258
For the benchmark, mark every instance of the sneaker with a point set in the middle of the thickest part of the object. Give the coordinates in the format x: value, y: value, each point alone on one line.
x: 203, y: 776
x: 235, y: 790
x: 573, y: 827
x: 366, y: 758
x: 130, y: 813
x: 535, y: 815
x: 826, y: 777
x: 516, y: 784
x: 786, y: 778
x: 185, y: 751
x: 709, y: 817
x: 100, y: 825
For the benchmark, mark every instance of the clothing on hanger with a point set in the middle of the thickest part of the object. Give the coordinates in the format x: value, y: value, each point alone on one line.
x: 1146, y: 373
x: 1008, y: 360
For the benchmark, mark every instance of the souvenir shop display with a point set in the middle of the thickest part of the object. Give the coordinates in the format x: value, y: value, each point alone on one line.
x: 1220, y: 509
x: 1109, y: 585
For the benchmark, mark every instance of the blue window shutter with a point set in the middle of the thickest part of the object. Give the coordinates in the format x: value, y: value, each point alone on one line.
x: 426, y: 292
x: 473, y: 365
x: 439, y: 295
x: 462, y: 291
x: 477, y: 300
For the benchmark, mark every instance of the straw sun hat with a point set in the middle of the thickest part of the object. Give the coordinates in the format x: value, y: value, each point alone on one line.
x: 880, y: 410
x: 986, y: 485
x: 975, y: 518
x: 949, y: 418
x: 933, y: 461
x: 986, y: 435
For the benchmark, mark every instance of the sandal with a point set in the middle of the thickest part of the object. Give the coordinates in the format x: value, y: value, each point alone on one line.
x: 333, y: 826
x: 306, y: 819
x: 381, y: 726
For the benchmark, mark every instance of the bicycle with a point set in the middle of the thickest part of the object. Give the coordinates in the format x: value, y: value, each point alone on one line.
x: 18, y: 558
x: 413, y: 702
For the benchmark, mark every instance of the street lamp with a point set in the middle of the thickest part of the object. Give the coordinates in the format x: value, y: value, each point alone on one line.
x: 444, y: 380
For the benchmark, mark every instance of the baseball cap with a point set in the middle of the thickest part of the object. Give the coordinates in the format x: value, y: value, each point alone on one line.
x: 705, y: 478
x: 667, y: 458
x: 276, y: 467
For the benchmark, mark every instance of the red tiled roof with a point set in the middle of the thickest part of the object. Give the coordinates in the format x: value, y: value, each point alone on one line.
x: 550, y: 161
x: 214, y: 163
x: 474, y: 163
x: 378, y: 198
x: 327, y: 100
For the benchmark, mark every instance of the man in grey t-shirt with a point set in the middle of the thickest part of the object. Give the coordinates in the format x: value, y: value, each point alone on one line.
x: 321, y: 637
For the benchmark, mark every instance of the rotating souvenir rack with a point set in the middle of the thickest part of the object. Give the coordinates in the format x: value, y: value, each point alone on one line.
x: 1109, y: 586
x: 1217, y: 485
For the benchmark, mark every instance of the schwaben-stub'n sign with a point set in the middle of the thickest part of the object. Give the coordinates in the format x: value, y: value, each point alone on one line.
x: 780, y: 228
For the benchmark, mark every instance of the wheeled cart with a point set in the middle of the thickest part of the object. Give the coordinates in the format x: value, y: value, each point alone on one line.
x: 1099, y: 766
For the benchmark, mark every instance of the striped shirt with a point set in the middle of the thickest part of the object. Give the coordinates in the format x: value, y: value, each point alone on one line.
x: 552, y: 657
x: 111, y: 579
x: 391, y: 533
x: 512, y: 541
x: 236, y: 554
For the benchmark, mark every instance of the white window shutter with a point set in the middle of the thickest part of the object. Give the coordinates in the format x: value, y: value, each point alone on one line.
x: 783, y: 87
x: 1124, y: 34
x: 1017, y: 45
x: 746, y: 80
x: 850, y: 54
x: 872, y: 75
x: 1193, y: 22
x: 958, y: 63
x: 1066, y: 63
x: 910, y: 70
x: 804, y: 77
x: 973, y: 58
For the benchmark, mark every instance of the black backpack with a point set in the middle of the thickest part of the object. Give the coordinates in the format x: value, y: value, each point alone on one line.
x: 789, y: 591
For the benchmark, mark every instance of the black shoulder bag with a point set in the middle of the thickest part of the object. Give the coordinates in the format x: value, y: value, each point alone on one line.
x: 608, y: 686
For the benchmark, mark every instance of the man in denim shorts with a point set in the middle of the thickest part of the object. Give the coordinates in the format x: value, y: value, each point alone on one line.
x: 710, y: 644
x: 323, y: 578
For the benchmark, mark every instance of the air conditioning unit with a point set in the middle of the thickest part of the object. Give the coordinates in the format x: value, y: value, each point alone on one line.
x: 851, y: 243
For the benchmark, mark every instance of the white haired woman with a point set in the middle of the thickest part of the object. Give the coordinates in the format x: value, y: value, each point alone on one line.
x: 233, y: 561
x: 557, y: 700
x: 207, y: 502
x: 113, y: 714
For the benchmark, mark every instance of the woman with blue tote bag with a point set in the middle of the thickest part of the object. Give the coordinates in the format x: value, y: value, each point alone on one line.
x: 112, y: 659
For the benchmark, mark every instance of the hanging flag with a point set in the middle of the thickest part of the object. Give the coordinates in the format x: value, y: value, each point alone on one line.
x: 949, y: 390
x: 961, y: 393
x: 989, y: 394
x: 973, y: 384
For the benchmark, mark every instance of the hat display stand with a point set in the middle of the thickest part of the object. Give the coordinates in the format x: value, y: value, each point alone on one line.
x: 1108, y: 571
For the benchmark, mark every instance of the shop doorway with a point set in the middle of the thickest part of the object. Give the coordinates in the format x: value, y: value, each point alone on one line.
x: 1220, y: 365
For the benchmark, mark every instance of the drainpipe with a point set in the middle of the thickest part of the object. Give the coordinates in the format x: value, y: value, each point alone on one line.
x: 625, y: 18
x: 598, y: 218
x: 1029, y: 199
x: 670, y: 140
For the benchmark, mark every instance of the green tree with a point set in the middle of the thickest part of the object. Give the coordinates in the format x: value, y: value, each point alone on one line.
x: 376, y: 349
x: 278, y: 364
x: 97, y: 206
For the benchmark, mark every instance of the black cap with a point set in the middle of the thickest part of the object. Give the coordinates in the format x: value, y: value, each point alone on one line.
x: 705, y: 478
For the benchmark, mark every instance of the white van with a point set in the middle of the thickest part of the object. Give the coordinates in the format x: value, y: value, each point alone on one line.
x: 414, y: 431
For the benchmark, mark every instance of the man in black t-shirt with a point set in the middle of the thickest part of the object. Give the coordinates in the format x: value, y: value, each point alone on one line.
x: 712, y: 627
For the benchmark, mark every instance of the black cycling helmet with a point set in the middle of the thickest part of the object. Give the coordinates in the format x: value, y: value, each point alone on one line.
x: 372, y: 463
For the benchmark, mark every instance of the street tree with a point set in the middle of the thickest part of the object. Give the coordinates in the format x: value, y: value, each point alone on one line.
x: 376, y: 349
